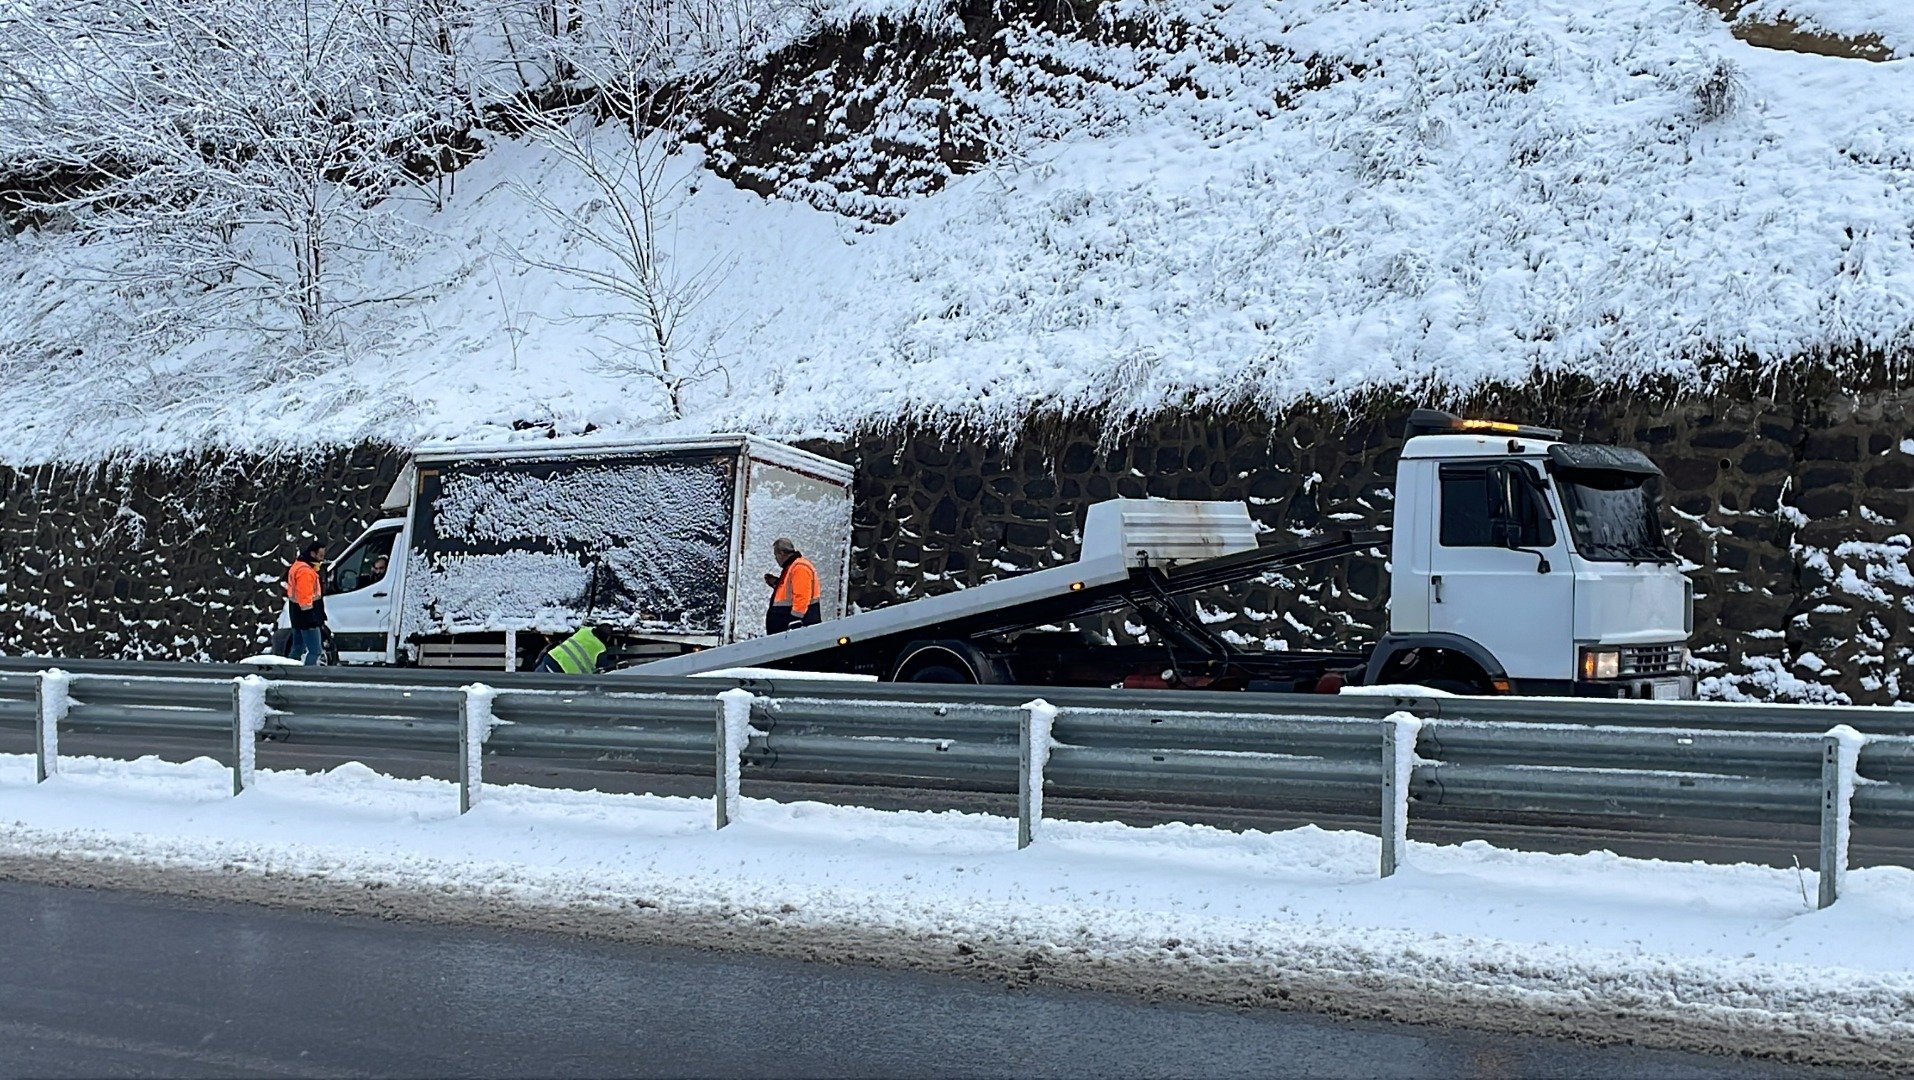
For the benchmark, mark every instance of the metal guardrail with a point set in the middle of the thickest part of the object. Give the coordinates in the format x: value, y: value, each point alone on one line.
x: 1687, y: 715
x: 17, y: 674
x: 1326, y: 754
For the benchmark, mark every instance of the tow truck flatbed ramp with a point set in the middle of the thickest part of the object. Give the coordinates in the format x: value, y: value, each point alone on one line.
x: 1137, y: 553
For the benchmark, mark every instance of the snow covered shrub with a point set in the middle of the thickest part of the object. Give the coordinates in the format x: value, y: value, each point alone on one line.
x: 236, y: 147
x: 1720, y: 90
x: 1714, y: 85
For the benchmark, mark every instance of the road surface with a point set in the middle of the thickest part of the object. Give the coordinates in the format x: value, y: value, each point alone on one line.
x: 102, y: 984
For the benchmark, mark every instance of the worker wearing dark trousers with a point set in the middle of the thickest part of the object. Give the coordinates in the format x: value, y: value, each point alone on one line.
x: 307, y: 598
x: 794, y: 591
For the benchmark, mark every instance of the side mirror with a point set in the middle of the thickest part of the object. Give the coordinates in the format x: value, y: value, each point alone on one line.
x: 1508, y: 534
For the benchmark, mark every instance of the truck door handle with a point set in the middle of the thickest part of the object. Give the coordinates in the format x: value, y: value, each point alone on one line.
x: 1435, y: 586
x: 380, y: 595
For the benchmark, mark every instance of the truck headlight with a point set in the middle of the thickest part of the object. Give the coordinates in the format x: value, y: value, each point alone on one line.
x: 1601, y: 663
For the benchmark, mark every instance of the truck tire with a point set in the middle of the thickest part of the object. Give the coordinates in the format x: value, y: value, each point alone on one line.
x: 949, y: 662
x: 941, y: 673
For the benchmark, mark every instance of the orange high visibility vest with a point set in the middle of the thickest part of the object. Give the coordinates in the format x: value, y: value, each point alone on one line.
x: 797, y: 588
x: 302, y: 583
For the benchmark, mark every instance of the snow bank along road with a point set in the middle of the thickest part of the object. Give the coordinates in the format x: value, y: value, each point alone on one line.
x: 296, y: 994
x: 1694, y: 792
x: 1722, y: 958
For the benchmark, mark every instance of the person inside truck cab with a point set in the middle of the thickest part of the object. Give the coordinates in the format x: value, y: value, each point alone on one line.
x: 794, y: 591
x: 576, y: 655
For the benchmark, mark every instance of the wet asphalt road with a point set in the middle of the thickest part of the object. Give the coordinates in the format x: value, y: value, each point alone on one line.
x: 98, y: 984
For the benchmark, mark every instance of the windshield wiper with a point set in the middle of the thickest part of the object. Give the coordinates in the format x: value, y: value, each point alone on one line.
x: 1631, y: 552
x: 1597, y: 547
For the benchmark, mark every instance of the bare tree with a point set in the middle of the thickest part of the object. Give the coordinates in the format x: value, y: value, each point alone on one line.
x: 228, y: 149
x: 238, y: 164
x: 432, y: 56
x: 646, y: 67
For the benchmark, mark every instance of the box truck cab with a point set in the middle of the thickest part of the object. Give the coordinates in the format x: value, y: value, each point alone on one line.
x: 488, y: 554
x: 361, y: 583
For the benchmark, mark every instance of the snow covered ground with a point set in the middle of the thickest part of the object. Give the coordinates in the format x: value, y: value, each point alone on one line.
x: 1480, y: 191
x: 1717, y: 957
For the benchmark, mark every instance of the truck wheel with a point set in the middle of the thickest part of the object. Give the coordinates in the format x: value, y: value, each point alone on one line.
x: 940, y: 673
x: 1456, y: 686
x: 950, y: 662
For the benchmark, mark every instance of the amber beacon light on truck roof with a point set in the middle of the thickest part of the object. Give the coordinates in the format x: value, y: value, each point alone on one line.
x: 1437, y: 422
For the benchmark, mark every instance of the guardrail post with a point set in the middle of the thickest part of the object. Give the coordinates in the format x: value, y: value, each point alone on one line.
x: 1399, y: 733
x: 1033, y: 753
x: 249, y: 719
x: 475, y: 724
x: 53, y: 699
x: 733, y: 735
x: 1840, y: 753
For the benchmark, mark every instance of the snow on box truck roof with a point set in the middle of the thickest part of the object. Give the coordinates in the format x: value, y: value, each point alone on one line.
x: 760, y: 449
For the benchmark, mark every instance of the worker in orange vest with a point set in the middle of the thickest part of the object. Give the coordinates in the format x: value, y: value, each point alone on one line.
x: 794, y: 591
x: 308, y: 603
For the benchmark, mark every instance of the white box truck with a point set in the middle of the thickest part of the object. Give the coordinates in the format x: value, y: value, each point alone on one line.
x: 488, y: 554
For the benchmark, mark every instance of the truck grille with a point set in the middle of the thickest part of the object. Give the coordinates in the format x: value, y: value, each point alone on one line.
x: 1651, y: 659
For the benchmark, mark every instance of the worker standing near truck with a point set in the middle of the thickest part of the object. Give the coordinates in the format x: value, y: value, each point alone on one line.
x: 794, y: 591
x: 307, y: 597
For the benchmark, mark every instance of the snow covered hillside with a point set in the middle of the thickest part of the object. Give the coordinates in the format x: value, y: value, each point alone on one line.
x: 1161, y: 202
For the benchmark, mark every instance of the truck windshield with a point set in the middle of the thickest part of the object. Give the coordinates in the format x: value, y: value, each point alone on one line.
x: 1613, y: 516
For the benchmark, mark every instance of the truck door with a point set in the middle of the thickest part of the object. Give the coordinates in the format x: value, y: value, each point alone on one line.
x: 359, y: 596
x: 1495, y: 536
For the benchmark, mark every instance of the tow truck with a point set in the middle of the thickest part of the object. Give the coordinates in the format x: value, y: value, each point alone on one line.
x: 1521, y: 563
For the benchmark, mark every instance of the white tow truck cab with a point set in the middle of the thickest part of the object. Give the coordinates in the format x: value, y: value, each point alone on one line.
x: 1532, y: 565
x: 1522, y: 564
x: 493, y: 553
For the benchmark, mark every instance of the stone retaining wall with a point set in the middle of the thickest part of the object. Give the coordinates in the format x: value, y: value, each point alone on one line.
x: 1791, y: 502
x: 169, y: 560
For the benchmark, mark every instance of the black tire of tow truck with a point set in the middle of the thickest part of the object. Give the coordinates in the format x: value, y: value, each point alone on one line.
x: 1456, y: 686
x: 940, y: 673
